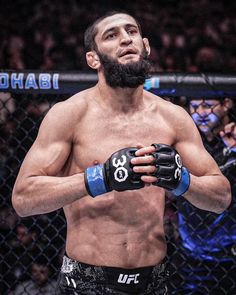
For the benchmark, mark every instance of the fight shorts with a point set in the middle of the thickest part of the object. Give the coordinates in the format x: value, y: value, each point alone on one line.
x: 84, y: 279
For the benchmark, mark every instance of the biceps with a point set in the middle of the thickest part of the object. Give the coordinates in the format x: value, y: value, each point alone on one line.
x: 46, y: 160
x: 199, y: 161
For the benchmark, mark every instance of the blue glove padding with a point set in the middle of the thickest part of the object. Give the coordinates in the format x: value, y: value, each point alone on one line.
x: 183, y: 184
x: 95, y: 182
x: 115, y: 174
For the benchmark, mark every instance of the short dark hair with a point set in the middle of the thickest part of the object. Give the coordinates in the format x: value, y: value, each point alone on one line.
x: 91, y: 31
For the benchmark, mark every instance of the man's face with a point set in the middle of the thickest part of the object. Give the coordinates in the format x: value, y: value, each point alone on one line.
x: 207, y: 114
x: 39, y: 274
x: 122, y: 52
x: 24, y: 236
x: 119, y: 38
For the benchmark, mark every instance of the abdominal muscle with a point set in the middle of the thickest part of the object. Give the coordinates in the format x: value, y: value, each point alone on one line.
x: 122, y: 229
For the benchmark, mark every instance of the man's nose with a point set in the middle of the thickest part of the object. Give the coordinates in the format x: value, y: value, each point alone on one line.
x: 203, y: 111
x: 125, y: 38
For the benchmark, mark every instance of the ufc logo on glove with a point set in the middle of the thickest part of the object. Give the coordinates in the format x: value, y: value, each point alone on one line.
x: 120, y: 173
x: 117, y: 172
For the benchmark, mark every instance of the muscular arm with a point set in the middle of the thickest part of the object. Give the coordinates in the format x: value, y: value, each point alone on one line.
x: 209, y: 189
x: 38, y: 188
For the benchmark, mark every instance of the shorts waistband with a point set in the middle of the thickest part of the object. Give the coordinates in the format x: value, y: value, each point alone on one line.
x: 70, y: 265
x: 134, y: 280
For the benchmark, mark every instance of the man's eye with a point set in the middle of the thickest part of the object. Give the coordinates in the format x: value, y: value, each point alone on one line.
x: 110, y: 36
x: 194, y: 105
x: 208, y: 106
x: 132, y: 31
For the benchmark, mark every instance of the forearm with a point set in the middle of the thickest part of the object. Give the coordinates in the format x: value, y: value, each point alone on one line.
x: 43, y: 194
x: 211, y: 193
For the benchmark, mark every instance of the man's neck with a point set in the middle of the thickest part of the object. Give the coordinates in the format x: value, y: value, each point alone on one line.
x: 121, y: 100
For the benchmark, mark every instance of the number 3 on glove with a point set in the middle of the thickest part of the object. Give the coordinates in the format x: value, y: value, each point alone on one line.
x: 170, y: 173
x: 115, y: 174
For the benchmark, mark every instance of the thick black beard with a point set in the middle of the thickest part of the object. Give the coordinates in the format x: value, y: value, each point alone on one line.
x: 130, y: 75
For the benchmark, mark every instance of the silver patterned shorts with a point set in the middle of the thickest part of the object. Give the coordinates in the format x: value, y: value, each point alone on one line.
x: 80, y: 278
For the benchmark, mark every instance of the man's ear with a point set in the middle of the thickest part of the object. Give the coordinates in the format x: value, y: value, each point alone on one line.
x: 146, y: 45
x: 93, y: 60
x: 228, y: 103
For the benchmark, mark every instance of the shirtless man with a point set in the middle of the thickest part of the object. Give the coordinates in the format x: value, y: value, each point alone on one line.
x: 115, y: 237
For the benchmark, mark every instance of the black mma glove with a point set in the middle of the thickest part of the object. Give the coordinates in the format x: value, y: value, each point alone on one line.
x: 115, y: 174
x: 170, y: 172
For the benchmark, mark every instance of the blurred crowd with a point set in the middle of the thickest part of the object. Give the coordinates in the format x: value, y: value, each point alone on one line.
x: 30, y: 248
x: 48, y: 35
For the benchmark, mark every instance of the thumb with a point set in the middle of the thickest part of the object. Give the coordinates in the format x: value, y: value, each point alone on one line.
x: 139, y: 145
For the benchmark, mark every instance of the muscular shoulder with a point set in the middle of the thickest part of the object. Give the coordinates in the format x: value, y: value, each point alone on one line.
x: 70, y: 109
x: 176, y: 116
x: 181, y: 121
x: 167, y: 108
x: 64, y: 117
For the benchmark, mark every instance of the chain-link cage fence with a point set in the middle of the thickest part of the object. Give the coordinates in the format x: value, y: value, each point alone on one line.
x: 201, y: 245
x: 38, y: 239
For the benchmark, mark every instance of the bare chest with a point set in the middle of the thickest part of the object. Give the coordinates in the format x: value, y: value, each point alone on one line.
x: 97, y: 138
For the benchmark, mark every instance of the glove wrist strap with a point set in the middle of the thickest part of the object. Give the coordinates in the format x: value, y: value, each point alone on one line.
x: 183, y: 184
x: 94, y: 180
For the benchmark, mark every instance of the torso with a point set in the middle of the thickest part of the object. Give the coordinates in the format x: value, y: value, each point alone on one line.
x: 120, y: 229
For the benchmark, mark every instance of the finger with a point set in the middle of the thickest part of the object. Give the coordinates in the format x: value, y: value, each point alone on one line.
x: 229, y: 139
x: 144, y: 169
x: 229, y: 128
x: 140, y: 145
x: 145, y: 150
x: 148, y: 178
x: 222, y: 133
x: 234, y: 130
x: 142, y: 160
